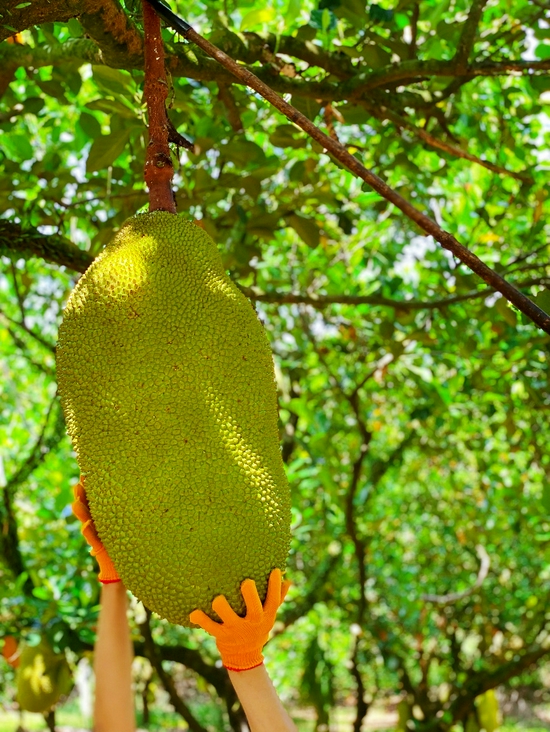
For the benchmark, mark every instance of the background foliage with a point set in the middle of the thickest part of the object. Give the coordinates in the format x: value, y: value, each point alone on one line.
x: 413, y: 401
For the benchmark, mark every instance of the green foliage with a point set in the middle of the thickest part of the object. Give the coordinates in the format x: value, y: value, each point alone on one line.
x: 413, y: 402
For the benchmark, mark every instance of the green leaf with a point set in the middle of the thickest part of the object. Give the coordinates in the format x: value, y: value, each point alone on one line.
x: 75, y: 29
x: 379, y: 14
x: 543, y: 300
x: 542, y: 51
x: 257, y: 17
x: 52, y: 89
x: 33, y: 105
x: 292, y: 11
x: 284, y: 136
x: 354, y: 115
x: 307, y: 106
x: 546, y: 497
x: 243, y: 152
x: 89, y: 125
x: 324, y: 20
x: 306, y: 228
x: 111, y: 106
x: 540, y: 83
x: 17, y: 147
x: 106, y: 149
x: 113, y: 80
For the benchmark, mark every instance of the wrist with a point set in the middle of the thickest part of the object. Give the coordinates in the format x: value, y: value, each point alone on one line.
x: 242, y: 660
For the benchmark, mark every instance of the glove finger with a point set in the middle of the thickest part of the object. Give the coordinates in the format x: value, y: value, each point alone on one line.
x: 224, y: 610
x: 79, y: 492
x: 272, y: 600
x: 198, y: 617
x: 284, y: 589
x: 80, y: 511
x: 89, y: 532
x: 254, y: 609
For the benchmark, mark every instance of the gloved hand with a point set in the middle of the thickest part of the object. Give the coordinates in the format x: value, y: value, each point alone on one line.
x: 240, y: 640
x: 10, y: 651
x: 107, y: 571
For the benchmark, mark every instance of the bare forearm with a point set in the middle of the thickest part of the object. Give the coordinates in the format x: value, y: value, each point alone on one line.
x: 114, y: 702
x: 262, y: 706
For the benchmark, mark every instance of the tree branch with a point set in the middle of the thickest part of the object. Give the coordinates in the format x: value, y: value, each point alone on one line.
x: 188, y: 64
x: 159, y: 169
x: 233, y: 116
x: 322, y: 301
x: 166, y: 679
x: 116, y: 36
x: 485, y: 564
x: 381, y: 112
x: 9, y: 539
x: 28, y: 242
x: 56, y: 249
x: 468, y: 35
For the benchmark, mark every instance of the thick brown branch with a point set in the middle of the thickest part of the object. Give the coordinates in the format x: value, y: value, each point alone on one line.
x: 28, y: 242
x: 158, y: 164
x: 187, y: 64
x: 106, y: 23
x: 447, y: 240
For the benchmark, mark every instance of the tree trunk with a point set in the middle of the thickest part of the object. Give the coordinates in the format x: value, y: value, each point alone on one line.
x: 50, y: 720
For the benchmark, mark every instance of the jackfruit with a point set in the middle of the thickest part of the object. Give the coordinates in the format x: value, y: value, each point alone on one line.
x: 42, y: 678
x: 488, y: 711
x: 167, y: 383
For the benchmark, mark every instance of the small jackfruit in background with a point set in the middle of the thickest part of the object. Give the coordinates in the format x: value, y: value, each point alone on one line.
x: 42, y: 678
x: 488, y: 711
x: 167, y: 382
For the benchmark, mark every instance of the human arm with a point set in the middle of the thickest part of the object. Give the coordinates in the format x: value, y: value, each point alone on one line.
x: 258, y: 697
x: 113, y: 653
x: 240, y: 642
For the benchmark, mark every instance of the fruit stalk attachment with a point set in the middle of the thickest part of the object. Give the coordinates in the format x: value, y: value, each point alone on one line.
x: 159, y: 169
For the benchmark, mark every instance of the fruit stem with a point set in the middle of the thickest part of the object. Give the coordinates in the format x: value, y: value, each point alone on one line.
x: 159, y: 170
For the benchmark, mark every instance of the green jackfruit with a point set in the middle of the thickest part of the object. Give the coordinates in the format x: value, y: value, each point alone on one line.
x: 167, y: 382
x: 42, y: 678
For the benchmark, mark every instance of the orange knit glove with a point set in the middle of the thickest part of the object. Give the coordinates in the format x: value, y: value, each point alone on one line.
x: 107, y: 571
x: 240, y: 640
x: 10, y: 651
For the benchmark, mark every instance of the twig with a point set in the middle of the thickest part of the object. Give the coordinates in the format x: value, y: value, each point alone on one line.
x: 21, y: 324
x: 485, y: 564
x: 382, y: 112
x: 447, y: 240
x: 226, y: 97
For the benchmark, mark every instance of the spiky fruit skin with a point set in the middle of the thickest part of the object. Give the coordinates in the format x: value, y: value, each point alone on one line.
x: 42, y: 678
x: 167, y: 382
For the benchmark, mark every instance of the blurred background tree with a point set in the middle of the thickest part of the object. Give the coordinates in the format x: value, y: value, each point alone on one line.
x: 413, y: 399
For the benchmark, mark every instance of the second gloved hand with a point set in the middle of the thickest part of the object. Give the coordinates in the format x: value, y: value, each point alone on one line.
x: 240, y: 640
